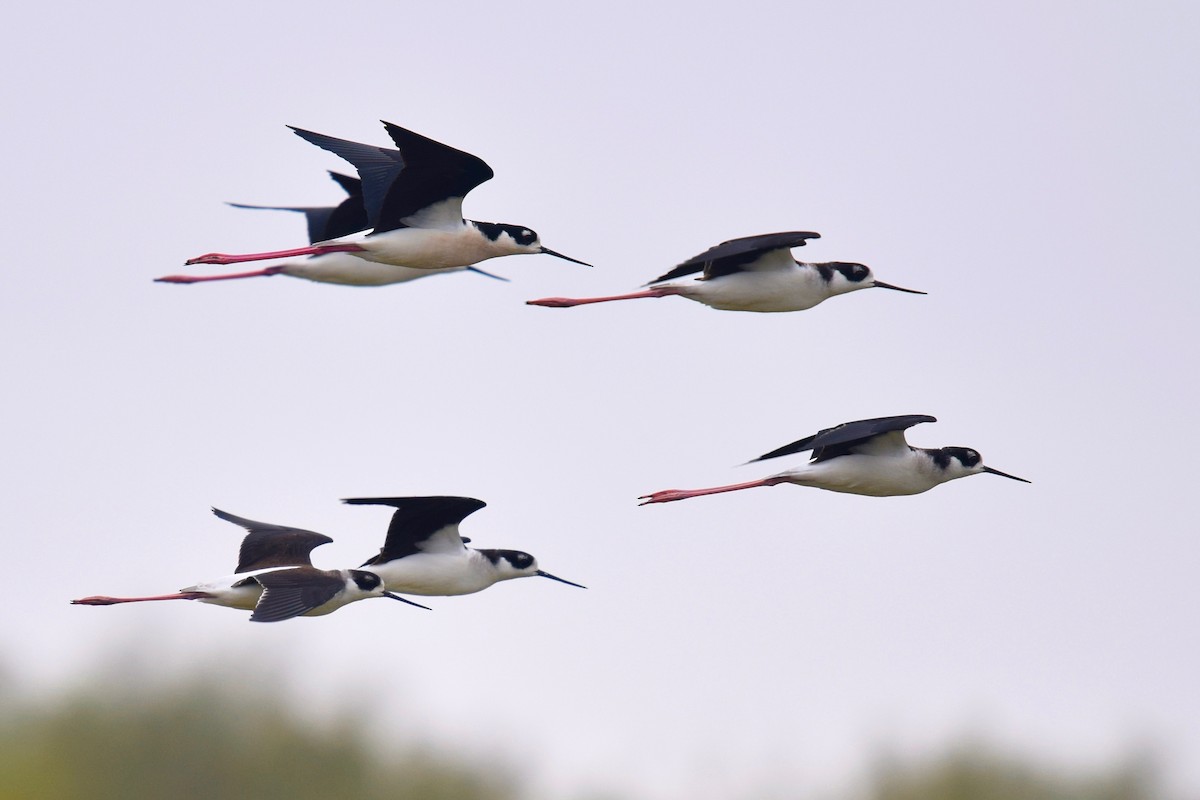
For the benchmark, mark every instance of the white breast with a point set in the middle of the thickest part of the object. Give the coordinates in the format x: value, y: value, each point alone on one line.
x: 463, y: 572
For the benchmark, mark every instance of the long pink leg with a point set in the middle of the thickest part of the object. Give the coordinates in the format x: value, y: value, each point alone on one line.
x: 568, y: 302
x: 670, y: 495
x: 313, y: 250
x: 102, y: 600
x: 201, y: 278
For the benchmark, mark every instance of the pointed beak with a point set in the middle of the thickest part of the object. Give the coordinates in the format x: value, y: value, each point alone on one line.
x: 550, y: 252
x: 1005, y: 475
x: 560, y: 580
x: 882, y: 285
x: 404, y: 600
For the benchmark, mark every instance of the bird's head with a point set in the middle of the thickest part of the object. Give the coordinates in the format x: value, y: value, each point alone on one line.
x: 518, y: 564
x: 847, y: 276
x: 959, y: 462
x: 517, y: 239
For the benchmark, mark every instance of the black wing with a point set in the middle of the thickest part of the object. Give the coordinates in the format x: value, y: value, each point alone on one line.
x: 268, y: 545
x: 330, y: 222
x: 416, y: 520
x: 291, y: 592
x: 728, y: 257
x: 435, y: 172
x: 839, y: 439
x: 349, y: 216
x: 398, y: 183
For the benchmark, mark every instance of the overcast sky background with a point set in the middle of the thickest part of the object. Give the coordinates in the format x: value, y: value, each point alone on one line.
x: 1032, y: 166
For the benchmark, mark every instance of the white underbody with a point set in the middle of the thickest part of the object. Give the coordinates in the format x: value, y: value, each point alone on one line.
x: 428, y: 248
x: 793, y: 289
x: 439, y: 573
x: 349, y: 269
x: 874, y: 475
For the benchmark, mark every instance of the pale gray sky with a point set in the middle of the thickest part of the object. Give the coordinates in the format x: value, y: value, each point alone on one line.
x: 1032, y: 166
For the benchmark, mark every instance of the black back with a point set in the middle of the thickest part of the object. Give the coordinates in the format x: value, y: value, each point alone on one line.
x: 415, y: 520
x: 841, y: 439
x: 398, y: 183
x: 268, y: 545
x: 291, y: 592
x: 729, y: 257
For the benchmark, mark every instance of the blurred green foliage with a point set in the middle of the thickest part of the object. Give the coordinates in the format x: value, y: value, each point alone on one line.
x: 210, y: 740
x: 977, y: 772
x: 218, y: 738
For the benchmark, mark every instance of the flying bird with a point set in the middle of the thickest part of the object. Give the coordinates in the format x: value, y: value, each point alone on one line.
x: 424, y: 553
x: 754, y: 273
x: 275, y: 578
x: 413, y: 200
x: 332, y: 222
x: 868, y: 456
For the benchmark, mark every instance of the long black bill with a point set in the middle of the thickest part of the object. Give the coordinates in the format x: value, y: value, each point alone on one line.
x: 560, y: 580
x: 882, y: 285
x: 1005, y: 475
x: 550, y: 252
x: 405, y: 600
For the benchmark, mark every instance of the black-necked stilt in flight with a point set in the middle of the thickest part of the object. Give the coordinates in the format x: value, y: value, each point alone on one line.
x: 424, y: 553
x: 332, y: 222
x: 869, y: 456
x: 275, y: 578
x: 413, y: 197
x: 755, y: 273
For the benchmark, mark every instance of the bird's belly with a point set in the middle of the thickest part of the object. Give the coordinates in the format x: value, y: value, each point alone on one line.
x: 348, y: 269
x: 426, y: 248
x: 431, y: 575
x: 865, y: 475
x: 754, y: 291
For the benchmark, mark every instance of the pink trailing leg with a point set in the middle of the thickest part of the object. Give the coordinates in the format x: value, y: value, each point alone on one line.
x: 670, y: 495
x: 102, y: 600
x: 312, y: 250
x: 200, y: 278
x: 568, y: 302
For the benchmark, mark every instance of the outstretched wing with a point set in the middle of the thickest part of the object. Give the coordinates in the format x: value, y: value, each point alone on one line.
x: 397, y: 184
x: 842, y: 439
x: 268, y: 545
x: 421, y: 524
x: 737, y: 255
